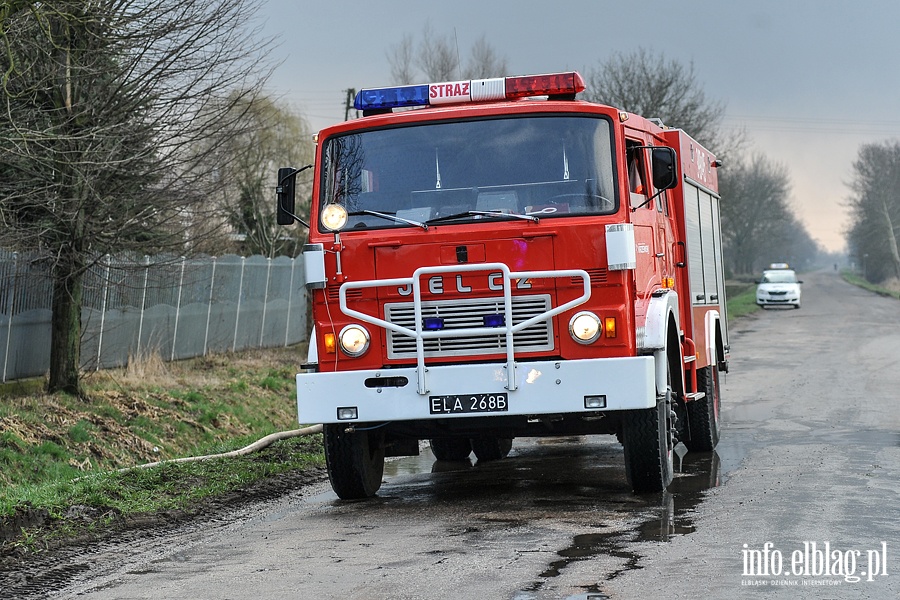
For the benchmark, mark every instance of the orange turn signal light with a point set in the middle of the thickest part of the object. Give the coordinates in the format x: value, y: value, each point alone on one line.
x: 609, y: 327
x: 330, y: 343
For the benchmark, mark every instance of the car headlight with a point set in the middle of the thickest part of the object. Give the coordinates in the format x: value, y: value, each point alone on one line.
x: 334, y: 217
x: 354, y: 340
x: 584, y: 327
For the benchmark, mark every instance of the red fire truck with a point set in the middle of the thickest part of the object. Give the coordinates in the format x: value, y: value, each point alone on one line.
x: 493, y: 259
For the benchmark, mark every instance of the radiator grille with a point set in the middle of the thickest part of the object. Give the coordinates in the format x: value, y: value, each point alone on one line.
x: 465, y: 313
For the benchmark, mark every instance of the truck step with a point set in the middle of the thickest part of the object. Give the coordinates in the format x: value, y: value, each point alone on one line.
x: 696, y: 396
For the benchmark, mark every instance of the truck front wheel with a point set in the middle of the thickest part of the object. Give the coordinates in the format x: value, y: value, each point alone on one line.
x: 355, y: 461
x: 648, y: 437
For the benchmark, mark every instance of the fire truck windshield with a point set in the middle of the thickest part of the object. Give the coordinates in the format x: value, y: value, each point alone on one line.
x: 455, y: 171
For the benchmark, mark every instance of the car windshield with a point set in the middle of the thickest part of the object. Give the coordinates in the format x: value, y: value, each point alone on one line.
x: 779, y: 277
x: 547, y: 166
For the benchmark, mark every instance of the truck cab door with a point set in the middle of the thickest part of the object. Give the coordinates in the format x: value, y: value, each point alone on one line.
x: 644, y: 216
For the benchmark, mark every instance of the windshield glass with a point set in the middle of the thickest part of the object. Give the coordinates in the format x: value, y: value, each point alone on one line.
x: 546, y: 166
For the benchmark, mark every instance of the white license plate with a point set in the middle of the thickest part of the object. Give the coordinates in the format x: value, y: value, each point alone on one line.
x: 468, y: 403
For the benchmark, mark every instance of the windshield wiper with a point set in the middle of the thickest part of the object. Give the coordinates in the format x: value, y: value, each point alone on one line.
x: 389, y: 217
x: 483, y: 213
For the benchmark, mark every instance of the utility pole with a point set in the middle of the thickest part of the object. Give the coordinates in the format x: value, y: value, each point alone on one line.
x: 348, y: 104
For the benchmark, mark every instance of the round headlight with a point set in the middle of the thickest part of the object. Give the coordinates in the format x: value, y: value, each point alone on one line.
x: 584, y: 327
x: 354, y: 340
x: 334, y: 217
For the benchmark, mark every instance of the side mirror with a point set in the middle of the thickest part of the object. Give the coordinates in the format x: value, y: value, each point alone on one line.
x: 665, y: 167
x: 284, y: 195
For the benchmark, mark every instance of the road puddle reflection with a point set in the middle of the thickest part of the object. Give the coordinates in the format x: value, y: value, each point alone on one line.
x: 548, y: 477
x: 670, y: 514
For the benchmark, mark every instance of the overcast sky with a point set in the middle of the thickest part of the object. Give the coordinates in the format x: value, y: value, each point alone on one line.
x: 809, y: 80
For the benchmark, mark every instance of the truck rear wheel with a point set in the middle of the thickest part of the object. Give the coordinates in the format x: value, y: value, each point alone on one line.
x: 355, y: 461
x: 703, y: 414
x: 488, y: 448
x: 648, y: 437
x: 454, y: 449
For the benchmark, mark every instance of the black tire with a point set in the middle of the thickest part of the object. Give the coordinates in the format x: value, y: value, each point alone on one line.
x: 703, y: 414
x: 486, y: 449
x: 649, y: 439
x: 453, y: 449
x: 355, y: 461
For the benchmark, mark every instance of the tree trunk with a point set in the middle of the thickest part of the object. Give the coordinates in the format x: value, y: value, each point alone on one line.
x: 892, y: 240
x: 65, y: 341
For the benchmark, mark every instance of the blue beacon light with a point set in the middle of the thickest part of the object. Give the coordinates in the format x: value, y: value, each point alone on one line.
x: 433, y: 323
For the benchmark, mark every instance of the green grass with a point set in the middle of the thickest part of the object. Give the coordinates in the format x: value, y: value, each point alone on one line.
x: 857, y: 280
x: 742, y: 303
x: 172, y: 486
x: 58, y: 451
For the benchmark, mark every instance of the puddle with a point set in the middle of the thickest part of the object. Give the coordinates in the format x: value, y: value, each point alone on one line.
x: 545, y: 476
x: 671, y: 514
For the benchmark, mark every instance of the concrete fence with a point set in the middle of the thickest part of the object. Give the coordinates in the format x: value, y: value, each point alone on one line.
x: 175, y: 307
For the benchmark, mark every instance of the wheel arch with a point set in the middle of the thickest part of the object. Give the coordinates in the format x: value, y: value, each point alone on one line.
x: 675, y: 358
x: 662, y: 337
x: 714, y: 344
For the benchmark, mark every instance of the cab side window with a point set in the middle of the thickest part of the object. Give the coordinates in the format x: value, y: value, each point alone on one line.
x: 637, y: 174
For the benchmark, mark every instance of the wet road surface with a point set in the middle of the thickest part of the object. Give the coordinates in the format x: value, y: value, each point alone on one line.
x: 810, y: 453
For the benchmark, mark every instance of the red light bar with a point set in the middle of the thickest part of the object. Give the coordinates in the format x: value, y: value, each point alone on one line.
x: 556, y: 84
x: 476, y: 90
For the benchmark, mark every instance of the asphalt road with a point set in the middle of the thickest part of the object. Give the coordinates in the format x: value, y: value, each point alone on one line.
x: 806, y: 478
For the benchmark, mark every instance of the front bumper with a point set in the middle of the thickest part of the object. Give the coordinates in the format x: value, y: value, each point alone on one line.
x: 542, y: 387
x: 777, y: 300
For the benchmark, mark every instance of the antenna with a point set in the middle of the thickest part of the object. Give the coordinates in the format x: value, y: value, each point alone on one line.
x: 458, y: 61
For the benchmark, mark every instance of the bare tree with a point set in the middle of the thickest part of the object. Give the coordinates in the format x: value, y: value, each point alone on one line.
x: 758, y: 223
x: 875, y: 216
x: 647, y: 84
x: 106, y: 103
x: 401, y: 57
x: 484, y: 61
x: 436, y: 58
x: 278, y: 136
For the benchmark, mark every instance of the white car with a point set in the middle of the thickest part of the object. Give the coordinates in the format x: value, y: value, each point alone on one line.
x: 778, y: 287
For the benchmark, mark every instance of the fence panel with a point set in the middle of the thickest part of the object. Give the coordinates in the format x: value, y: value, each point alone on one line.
x: 223, y: 316
x: 26, y: 295
x: 252, y: 302
x: 280, y: 295
x: 167, y: 305
x: 193, y: 308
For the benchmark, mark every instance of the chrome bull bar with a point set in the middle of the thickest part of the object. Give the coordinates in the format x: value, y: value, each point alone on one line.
x: 506, y: 329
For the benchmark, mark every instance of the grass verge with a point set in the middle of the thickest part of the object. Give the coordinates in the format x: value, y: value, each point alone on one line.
x: 857, y: 280
x: 59, y: 455
x: 742, y: 304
